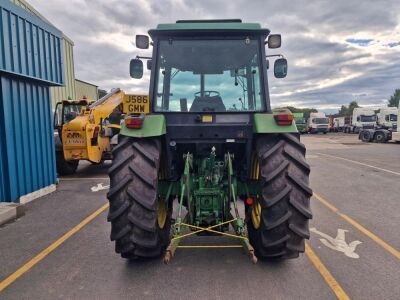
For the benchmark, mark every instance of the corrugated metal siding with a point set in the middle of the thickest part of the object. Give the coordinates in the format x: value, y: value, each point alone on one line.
x: 85, y: 89
x: 68, y: 90
x: 28, y: 154
x: 29, y: 46
x: 30, y: 61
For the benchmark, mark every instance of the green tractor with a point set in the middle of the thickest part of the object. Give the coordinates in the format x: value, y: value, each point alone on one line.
x: 207, y: 142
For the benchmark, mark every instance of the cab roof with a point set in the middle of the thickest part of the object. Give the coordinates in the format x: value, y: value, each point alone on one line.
x: 187, y: 27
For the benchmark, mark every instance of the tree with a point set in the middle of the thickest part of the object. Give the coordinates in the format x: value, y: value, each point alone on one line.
x: 352, y: 106
x: 348, y: 110
x: 394, y: 99
x: 344, y: 110
x: 305, y: 111
x: 102, y: 93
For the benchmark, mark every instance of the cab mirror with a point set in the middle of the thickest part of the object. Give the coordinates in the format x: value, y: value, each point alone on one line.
x: 136, y: 68
x: 149, y: 64
x: 274, y: 41
x: 142, y: 41
x: 280, y: 68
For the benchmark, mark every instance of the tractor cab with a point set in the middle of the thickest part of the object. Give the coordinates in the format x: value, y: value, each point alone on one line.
x: 215, y: 66
x: 208, y: 80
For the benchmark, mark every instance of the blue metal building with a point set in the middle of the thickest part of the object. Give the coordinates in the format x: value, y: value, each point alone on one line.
x: 31, y: 60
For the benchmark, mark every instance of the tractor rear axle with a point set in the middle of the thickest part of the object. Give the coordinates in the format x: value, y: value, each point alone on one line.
x: 211, y: 189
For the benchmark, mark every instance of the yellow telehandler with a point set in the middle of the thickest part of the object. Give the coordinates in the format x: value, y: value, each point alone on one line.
x: 85, y: 129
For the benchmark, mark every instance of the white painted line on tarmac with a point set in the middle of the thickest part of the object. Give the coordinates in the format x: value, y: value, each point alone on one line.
x: 360, y: 163
x: 339, y: 242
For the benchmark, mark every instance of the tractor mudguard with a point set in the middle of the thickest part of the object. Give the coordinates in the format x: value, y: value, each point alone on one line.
x: 265, y: 123
x: 153, y: 125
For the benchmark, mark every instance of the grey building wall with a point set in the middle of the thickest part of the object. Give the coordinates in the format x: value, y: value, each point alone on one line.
x: 83, y: 88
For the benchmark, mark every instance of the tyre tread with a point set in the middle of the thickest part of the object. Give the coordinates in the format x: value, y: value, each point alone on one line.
x: 285, y: 197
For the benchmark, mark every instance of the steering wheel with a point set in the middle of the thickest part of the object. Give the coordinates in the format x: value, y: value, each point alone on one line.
x: 207, y: 93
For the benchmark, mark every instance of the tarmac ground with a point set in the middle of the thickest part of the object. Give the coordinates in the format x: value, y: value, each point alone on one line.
x: 61, y: 247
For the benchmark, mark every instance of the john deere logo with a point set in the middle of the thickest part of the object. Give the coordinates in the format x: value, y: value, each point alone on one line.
x: 73, y: 135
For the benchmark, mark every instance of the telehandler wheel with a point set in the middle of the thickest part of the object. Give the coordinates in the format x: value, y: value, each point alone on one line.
x: 140, y: 220
x: 280, y: 227
x: 65, y: 167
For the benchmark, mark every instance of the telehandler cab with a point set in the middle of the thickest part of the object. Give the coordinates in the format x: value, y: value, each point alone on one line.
x: 207, y: 138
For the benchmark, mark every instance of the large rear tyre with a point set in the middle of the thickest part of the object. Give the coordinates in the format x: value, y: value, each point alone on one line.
x: 278, y: 225
x: 65, y: 167
x: 140, y: 219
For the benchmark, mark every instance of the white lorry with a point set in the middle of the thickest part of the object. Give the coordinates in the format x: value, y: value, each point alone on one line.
x: 362, y: 118
x: 387, y: 118
x: 396, y: 133
x: 386, y: 130
x: 318, y: 122
x: 338, y: 124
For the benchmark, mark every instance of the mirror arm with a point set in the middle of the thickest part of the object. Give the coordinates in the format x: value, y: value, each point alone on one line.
x: 275, y: 55
x: 142, y: 57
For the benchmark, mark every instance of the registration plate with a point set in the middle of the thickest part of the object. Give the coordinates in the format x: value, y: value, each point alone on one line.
x: 136, y: 104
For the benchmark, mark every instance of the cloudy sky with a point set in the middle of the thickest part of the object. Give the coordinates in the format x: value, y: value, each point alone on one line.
x: 338, y: 51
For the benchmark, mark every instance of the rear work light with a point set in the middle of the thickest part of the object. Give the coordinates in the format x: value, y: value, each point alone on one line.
x: 284, y: 119
x: 134, y: 122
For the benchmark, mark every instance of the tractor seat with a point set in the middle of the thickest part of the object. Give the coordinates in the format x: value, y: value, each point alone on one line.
x: 207, y: 103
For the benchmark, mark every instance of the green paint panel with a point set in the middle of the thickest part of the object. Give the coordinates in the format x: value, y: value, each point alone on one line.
x: 265, y: 123
x: 153, y: 125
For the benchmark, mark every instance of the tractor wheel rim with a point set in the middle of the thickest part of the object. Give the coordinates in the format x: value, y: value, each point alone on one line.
x: 256, y: 214
x: 161, y: 214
